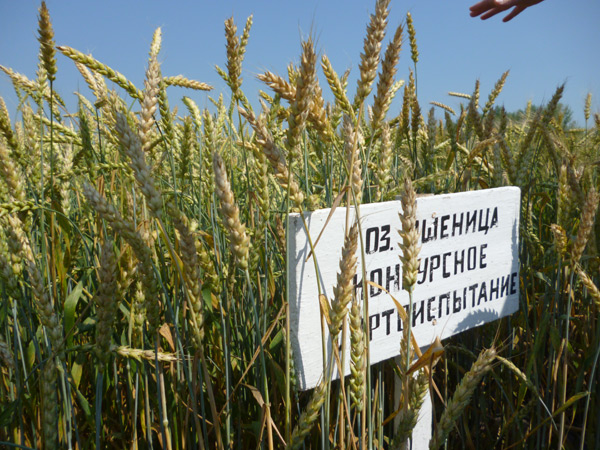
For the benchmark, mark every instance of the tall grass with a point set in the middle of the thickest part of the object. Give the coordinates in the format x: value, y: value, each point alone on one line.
x: 143, y: 259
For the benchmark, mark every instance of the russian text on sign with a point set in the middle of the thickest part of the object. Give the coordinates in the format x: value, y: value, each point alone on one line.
x: 468, y: 272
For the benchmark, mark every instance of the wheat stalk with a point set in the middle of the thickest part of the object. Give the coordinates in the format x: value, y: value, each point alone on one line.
x: 106, y: 302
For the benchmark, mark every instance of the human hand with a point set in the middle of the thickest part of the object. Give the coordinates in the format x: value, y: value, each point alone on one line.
x: 490, y: 8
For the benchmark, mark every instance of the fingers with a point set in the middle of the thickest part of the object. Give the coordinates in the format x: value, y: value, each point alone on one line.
x: 493, y: 12
x: 514, y: 13
x: 481, y: 7
x: 489, y: 8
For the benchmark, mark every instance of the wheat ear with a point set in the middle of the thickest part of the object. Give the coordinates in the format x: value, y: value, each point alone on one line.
x: 46, y: 38
x: 132, y: 147
x: 495, y: 92
x: 369, y: 59
x: 352, y: 143
x: 336, y: 86
x: 135, y: 240
x: 461, y: 397
x: 342, y: 292
x: 149, y: 100
x: 240, y: 241
x: 412, y: 36
x: 309, y: 416
x: 383, y: 98
x: 357, y: 357
x: 97, y: 66
x: 6, y: 128
x: 299, y: 109
x: 585, y: 226
x: 591, y: 287
x: 410, y: 237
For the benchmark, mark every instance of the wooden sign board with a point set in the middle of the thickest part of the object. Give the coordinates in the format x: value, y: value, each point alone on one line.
x: 468, y: 276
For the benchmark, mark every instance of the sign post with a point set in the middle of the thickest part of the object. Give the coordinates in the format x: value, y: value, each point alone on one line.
x: 468, y: 274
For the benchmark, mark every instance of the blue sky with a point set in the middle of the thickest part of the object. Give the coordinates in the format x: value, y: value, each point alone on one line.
x: 551, y: 43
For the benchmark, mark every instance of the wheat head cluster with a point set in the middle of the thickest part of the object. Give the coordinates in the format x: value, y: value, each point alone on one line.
x: 144, y: 301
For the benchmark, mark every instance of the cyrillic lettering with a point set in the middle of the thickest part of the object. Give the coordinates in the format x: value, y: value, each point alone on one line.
x: 513, y: 285
x: 423, y: 270
x: 444, y: 226
x: 471, y: 220
x: 373, y: 324
x: 430, y: 315
x: 504, y: 288
x: 459, y: 262
x: 435, y: 264
x: 482, y: 256
x: 387, y: 315
x: 457, y: 224
x: 494, y: 218
x: 473, y: 288
x: 447, y: 297
x: 429, y: 233
x: 445, y: 272
x: 482, y: 294
x: 482, y: 226
x: 418, y: 312
x: 471, y: 258
x: 456, y: 302
x: 494, y: 289
x: 395, y: 278
x: 374, y: 291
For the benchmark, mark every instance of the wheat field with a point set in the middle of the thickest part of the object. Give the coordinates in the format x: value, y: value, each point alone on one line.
x: 143, y: 256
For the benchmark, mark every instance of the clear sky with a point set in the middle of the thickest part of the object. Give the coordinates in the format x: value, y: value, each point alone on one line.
x: 551, y: 43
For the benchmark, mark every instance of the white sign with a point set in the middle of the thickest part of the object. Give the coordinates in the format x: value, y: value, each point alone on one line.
x: 468, y: 275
